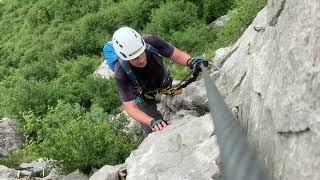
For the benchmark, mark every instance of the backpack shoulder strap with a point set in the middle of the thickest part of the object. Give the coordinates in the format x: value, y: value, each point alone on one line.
x: 155, y: 51
x: 125, y: 66
x: 152, y: 49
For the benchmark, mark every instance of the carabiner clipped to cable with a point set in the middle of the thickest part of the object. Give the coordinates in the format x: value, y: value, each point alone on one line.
x: 177, y: 89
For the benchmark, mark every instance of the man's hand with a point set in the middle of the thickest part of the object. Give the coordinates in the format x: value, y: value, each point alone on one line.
x: 159, y: 124
x: 194, y: 63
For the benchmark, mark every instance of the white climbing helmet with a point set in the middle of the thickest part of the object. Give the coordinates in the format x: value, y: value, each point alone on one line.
x: 128, y: 43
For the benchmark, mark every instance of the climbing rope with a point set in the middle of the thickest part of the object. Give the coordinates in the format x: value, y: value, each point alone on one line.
x: 238, y: 158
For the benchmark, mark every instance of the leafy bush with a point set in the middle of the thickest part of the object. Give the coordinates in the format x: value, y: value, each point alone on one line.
x: 19, y: 95
x: 91, y: 90
x: 240, y: 18
x: 38, y: 70
x: 172, y: 16
x: 90, y: 31
x: 70, y: 10
x: 75, y: 84
x: 1, y: 9
x: 78, y: 139
x: 5, y: 72
x: 76, y: 69
x: 38, y: 15
x: 195, y: 39
x: 210, y: 10
x: 213, y: 9
x: 16, y: 158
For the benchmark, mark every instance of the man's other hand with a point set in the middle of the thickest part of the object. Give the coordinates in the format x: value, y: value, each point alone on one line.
x: 159, y: 124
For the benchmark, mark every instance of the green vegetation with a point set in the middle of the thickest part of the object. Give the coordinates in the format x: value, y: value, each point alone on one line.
x: 16, y: 158
x: 241, y: 16
x: 50, y: 49
x: 78, y: 138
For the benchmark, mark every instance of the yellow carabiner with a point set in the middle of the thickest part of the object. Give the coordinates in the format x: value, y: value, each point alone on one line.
x: 172, y: 91
x: 176, y: 91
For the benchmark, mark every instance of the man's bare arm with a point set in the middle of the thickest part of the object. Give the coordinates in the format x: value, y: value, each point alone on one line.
x: 180, y: 57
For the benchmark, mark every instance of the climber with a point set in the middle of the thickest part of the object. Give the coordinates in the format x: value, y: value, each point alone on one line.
x: 140, y: 73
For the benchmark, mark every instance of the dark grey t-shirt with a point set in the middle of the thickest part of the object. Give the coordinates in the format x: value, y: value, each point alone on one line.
x: 151, y: 77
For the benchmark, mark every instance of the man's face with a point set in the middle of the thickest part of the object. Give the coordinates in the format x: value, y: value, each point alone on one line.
x: 140, y: 61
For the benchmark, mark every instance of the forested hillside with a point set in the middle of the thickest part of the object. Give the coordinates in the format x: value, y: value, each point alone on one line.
x: 49, y: 50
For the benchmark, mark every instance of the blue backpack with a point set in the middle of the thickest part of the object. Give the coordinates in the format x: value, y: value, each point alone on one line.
x: 110, y: 55
x: 112, y: 58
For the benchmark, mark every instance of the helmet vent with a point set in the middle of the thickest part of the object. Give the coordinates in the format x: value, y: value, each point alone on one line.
x: 123, y: 55
x: 119, y: 44
x: 134, y: 34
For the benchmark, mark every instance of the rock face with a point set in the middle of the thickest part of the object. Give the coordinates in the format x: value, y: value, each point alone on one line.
x: 107, y: 173
x: 271, y: 79
x: 185, y: 150
x: 6, y: 173
x: 103, y: 71
x: 9, y: 137
x: 219, y: 22
x: 193, y: 97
